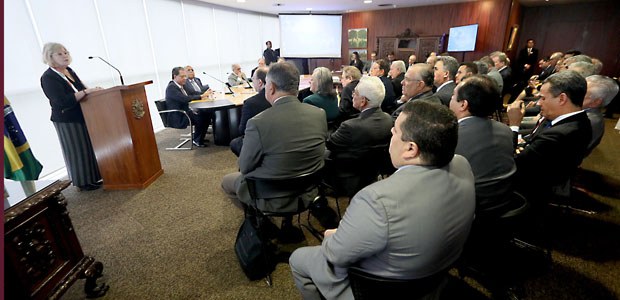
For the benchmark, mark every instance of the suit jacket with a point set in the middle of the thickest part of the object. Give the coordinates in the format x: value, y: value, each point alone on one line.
x: 488, y: 146
x: 65, y: 109
x: 398, y: 87
x: 552, y: 155
x: 598, y: 127
x: 403, y: 227
x: 368, y: 65
x: 175, y: 99
x: 358, y: 64
x: 546, y: 72
x: 525, y: 58
x: 389, y: 101
x: 345, y: 106
x: 428, y: 96
x: 286, y: 140
x: 507, y: 79
x: 270, y: 56
x: 445, y: 93
x: 189, y: 88
x: 252, y: 107
x: 356, y: 136
x: 497, y: 77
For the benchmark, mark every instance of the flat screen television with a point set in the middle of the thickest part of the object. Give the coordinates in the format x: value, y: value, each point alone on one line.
x: 462, y: 38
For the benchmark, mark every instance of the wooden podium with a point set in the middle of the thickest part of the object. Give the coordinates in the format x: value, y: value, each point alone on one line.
x: 120, y: 129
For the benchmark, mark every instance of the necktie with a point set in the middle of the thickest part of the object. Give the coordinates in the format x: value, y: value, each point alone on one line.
x: 184, y: 92
x: 195, y: 85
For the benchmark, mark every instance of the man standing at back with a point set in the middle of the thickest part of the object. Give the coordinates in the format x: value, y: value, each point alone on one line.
x: 408, y: 226
x: 269, y: 54
x: 284, y: 141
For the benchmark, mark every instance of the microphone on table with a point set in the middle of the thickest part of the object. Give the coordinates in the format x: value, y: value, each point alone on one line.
x: 109, y: 64
x: 226, y: 83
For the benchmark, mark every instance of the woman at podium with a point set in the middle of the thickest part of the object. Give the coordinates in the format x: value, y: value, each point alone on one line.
x: 64, y: 89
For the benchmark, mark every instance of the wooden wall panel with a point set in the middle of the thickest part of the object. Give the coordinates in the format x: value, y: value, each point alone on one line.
x: 592, y: 28
x: 492, y: 17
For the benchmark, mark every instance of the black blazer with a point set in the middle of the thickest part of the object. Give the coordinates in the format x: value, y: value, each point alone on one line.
x: 252, y: 107
x: 552, y: 155
x: 398, y: 86
x: 358, y: 64
x: 345, y: 105
x: 65, y: 109
x: 389, y: 101
x: 175, y: 99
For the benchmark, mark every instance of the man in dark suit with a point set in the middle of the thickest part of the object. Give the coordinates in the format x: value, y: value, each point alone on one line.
x: 368, y: 64
x: 397, y: 74
x: 269, y: 54
x: 486, y: 143
x: 559, y: 144
x: 284, y: 141
x: 193, y: 85
x: 502, y: 65
x: 417, y: 85
x: 526, y: 62
x: 445, y: 69
x: 381, y: 68
x: 251, y: 107
x: 178, y: 98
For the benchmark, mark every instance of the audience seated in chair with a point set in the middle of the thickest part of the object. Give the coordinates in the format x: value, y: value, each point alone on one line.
x: 601, y: 90
x: 324, y: 96
x: 178, y: 98
x: 376, y: 232
x: 445, y: 69
x: 349, y: 146
x: 350, y: 78
x: 284, y: 141
x: 380, y: 68
x: 397, y: 74
x: 193, y: 85
x: 417, y: 84
x: 487, y: 144
x: 251, y: 107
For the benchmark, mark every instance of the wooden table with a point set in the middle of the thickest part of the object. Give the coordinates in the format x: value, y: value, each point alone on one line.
x: 42, y: 254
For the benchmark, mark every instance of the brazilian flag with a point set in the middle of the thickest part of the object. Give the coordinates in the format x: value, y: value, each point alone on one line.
x: 19, y: 162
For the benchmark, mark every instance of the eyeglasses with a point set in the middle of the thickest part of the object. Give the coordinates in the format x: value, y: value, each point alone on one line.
x: 192, y: 70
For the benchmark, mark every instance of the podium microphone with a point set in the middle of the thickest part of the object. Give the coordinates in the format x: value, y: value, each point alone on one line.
x: 226, y: 83
x: 109, y: 64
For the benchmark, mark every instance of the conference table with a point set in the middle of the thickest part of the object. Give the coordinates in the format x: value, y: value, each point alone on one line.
x: 226, y: 109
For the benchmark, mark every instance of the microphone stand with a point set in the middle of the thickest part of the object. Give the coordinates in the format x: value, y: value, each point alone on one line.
x: 230, y: 92
x: 109, y: 64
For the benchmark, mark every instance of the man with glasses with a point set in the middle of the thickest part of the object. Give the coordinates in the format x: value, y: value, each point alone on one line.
x: 418, y: 84
x: 236, y: 77
x: 193, y: 85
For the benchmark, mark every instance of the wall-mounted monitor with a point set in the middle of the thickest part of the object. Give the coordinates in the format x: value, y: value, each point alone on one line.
x: 462, y: 38
x: 310, y: 36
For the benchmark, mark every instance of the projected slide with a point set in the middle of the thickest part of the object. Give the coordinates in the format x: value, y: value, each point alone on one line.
x: 310, y: 35
x: 463, y: 38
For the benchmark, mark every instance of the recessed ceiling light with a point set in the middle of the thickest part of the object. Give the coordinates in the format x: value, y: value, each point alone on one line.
x: 241, y: 1
x: 367, y: 1
x: 309, y: 8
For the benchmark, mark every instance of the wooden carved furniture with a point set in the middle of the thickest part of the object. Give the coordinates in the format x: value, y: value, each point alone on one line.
x: 405, y: 46
x: 120, y: 129
x: 42, y: 254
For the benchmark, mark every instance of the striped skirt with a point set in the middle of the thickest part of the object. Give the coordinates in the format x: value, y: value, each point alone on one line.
x: 78, y: 152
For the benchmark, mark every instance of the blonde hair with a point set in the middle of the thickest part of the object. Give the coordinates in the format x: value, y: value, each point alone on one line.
x: 49, y: 49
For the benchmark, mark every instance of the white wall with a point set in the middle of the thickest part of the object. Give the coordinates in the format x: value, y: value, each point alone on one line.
x: 144, y: 39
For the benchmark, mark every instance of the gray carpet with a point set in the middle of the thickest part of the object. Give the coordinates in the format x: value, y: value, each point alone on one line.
x: 174, y: 239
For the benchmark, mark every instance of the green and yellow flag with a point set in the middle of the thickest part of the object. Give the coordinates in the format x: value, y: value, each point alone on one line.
x: 19, y: 162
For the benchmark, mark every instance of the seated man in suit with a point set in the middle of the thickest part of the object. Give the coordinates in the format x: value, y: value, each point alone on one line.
x: 286, y: 140
x: 178, y: 98
x: 466, y: 69
x: 502, y: 64
x: 368, y: 64
x: 397, y: 74
x: 251, y: 107
x: 601, y: 90
x: 380, y: 68
x: 486, y: 143
x: 407, y: 226
x: 445, y: 70
x: 411, y: 61
x: 237, y: 77
x: 354, y: 139
x: 261, y: 63
x: 350, y: 78
x: 417, y: 84
x: 193, y: 85
x: 558, y: 145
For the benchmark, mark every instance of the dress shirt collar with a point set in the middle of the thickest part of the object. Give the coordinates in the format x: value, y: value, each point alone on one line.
x: 564, y: 116
x: 464, y: 118
x: 439, y: 88
x: 504, y: 67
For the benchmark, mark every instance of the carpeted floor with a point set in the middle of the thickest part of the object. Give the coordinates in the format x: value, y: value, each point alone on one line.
x: 174, y: 239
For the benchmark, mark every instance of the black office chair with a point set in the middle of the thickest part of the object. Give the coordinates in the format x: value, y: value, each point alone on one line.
x: 294, y: 188
x: 164, y: 112
x: 368, y: 286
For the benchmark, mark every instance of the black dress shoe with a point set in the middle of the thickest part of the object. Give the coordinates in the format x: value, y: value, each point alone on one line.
x: 199, y: 145
x: 324, y: 214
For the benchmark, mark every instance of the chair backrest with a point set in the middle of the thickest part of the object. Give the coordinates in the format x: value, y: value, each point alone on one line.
x: 161, y: 106
x: 266, y: 188
x: 368, y: 286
